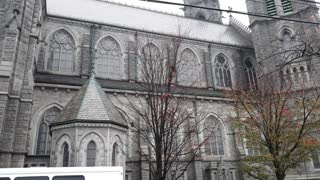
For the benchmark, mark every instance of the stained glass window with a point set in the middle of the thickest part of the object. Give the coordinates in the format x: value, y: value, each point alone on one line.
x: 189, y: 68
x: 115, y: 154
x: 65, y: 158
x: 91, y: 153
x: 108, y: 58
x: 213, y: 137
x: 44, y: 138
x: 61, y: 52
x: 222, y: 72
x: 250, y: 73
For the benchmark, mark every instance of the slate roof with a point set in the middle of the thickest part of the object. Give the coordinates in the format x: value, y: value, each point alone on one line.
x: 142, y: 19
x: 91, y: 104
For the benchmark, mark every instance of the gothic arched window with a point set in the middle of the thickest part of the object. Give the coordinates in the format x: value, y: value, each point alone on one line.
x: 61, y: 56
x: 251, y: 77
x: 151, y: 65
x: 91, y: 153
x: 65, y: 156
x: 115, y: 154
x: 222, y: 72
x: 189, y: 68
x: 108, y: 58
x: 44, y: 138
x: 213, y: 137
x: 304, y: 73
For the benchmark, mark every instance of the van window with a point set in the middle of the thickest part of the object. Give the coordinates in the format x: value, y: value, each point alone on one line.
x: 32, y: 178
x: 68, y: 178
x: 4, y: 178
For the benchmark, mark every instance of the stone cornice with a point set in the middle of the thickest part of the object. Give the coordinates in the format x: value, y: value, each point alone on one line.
x: 94, y: 124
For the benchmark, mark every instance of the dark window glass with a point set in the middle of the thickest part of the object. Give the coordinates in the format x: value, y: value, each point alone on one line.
x: 115, y: 154
x: 32, y: 178
x: 91, y: 154
x: 65, y: 155
x: 68, y: 178
x: 4, y: 178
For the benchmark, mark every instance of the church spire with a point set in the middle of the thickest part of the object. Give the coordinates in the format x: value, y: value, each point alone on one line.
x: 203, y: 14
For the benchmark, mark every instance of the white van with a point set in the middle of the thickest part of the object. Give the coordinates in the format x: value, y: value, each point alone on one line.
x: 62, y: 173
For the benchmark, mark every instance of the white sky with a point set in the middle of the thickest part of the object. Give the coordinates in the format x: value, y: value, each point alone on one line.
x: 235, y: 4
x: 238, y: 5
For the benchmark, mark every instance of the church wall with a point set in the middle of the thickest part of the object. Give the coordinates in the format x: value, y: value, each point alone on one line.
x: 126, y: 38
x: 59, y: 137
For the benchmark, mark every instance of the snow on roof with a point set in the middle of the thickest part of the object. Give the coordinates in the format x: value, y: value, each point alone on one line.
x: 136, y: 18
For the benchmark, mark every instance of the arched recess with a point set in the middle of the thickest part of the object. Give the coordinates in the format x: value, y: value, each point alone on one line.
x: 214, y: 136
x: 109, y: 61
x: 222, y: 71
x: 201, y: 16
x: 189, y: 69
x: 116, y: 151
x: 150, y: 63
x: 61, y: 52
x: 60, y: 151
x: 100, y: 149
x: 36, y: 122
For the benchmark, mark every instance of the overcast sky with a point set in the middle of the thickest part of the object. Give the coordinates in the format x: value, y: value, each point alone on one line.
x: 238, y: 5
x: 235, y: 4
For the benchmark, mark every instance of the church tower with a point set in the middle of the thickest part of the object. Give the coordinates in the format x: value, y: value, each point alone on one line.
x: 19, y: 31
x: 271, y: 35
x: 203, y: 14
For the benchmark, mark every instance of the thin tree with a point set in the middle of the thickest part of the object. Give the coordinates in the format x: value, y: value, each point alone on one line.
x: 163, y: 120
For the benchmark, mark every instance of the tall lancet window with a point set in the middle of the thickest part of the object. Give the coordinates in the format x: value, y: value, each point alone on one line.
x: 115, y: 154
x: 65, y: 155
x: 91, y: 153
x: 44, y: 139
x: 213, y: 137
x: 151, y: 66
x: 61, y: 56
x: 250, y: 74
x: 108, y: 62
x: 189, y: 68
x: 222, y: 72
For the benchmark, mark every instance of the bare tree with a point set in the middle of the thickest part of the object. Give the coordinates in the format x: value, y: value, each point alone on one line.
x: 163, y: 119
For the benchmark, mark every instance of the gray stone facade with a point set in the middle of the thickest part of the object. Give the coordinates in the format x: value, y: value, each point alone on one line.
x: 32, y: 90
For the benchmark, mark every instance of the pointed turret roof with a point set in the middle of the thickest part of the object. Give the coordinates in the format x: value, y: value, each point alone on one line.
x: 91, y: 104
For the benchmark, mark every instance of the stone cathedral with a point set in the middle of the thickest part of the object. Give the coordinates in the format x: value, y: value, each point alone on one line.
x: 54, y: 113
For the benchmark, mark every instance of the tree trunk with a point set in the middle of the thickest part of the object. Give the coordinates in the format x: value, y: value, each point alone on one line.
x: 280, y: 174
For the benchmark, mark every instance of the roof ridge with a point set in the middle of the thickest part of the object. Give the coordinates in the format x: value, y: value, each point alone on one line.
x: 141, y: 7
x: 156, y: 11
